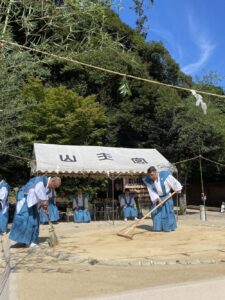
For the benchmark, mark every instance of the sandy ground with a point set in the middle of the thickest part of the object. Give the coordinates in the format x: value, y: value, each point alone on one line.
x: 51, y: 278
x: 193, y: 241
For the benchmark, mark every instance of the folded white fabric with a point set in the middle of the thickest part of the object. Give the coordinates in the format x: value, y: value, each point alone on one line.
x: 199, y: 101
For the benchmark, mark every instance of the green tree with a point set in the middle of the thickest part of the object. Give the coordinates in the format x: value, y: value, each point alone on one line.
x: 72, y: 104
x: 13, y: 140
x: 58, y: 115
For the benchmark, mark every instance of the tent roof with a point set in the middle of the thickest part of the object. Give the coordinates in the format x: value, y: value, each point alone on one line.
x: 95, y: 161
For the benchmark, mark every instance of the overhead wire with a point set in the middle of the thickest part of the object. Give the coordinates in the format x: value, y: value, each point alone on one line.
x: 5, y: 42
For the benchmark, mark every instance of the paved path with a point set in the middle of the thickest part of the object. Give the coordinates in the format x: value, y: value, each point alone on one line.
x: 207, y: 290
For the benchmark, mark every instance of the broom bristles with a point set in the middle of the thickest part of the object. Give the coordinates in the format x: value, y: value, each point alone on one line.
x: 53, y: 240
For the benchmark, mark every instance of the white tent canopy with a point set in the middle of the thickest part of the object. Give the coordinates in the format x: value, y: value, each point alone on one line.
x: 95, y: 161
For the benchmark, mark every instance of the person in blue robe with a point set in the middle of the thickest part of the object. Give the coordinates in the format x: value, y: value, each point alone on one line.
x: 159, y: 185
x: 59, y: 2
x: 127, y: 203
x: 53, y: 212
x: 4, y: 206
x: 25, y: 227
x: 80, y: 207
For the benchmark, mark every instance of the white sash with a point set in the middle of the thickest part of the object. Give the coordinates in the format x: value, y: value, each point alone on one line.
x: 20, y: 204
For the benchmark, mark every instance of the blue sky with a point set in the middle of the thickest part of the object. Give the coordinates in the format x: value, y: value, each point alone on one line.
x: 192, y: 30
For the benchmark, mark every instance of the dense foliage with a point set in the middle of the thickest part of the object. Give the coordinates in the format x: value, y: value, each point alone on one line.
x: 49, y: 100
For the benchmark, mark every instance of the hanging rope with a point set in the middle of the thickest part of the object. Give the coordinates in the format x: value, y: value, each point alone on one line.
x: 16, y: 156
x: 176, y: 163
x: 3, y: 42
x: 214, y: 162
x: 5, y: 255
x: 186, y: 160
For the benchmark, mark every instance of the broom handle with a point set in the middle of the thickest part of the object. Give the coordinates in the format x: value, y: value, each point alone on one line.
x: 151, y: 211
x: 47, y: 213
x: 154, y: 208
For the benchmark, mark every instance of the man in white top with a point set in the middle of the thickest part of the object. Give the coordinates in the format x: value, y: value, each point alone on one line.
x: 25, y: 227
x: 159, y: 185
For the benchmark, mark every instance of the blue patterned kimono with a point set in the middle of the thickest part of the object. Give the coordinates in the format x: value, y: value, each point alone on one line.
x: 163, y: 217
x: 25, y: 227
x: 129, y: 210
x: 81, y: 212
x: 52, y: 210
x: 4, y: 206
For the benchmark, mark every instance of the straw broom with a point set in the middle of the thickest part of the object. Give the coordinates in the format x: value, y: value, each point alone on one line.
x: 128, y: 232
x: 52, y: 240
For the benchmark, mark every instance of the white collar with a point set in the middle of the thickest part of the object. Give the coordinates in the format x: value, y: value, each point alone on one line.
x: 48, y: 182
x: 158, y: 179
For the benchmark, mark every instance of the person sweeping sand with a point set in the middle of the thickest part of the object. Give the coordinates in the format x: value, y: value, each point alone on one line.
x: 25, y: 227
x: 159, y: 185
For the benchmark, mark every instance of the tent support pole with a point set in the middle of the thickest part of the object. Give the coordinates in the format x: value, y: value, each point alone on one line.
x: 113, y: 200
x: 203, y: 215
x: 113, y: 204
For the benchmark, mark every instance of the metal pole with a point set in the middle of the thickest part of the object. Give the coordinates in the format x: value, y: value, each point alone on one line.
x: 113, y: 204
x: 177, y: 199
x: 113, y: 199
x: 203, y: 197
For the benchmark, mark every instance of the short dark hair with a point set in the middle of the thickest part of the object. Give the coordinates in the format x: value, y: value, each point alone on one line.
x: 126, y: 190
x: 151, y: 169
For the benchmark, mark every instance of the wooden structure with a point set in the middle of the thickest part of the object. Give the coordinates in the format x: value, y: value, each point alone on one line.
x: 136, y: 185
